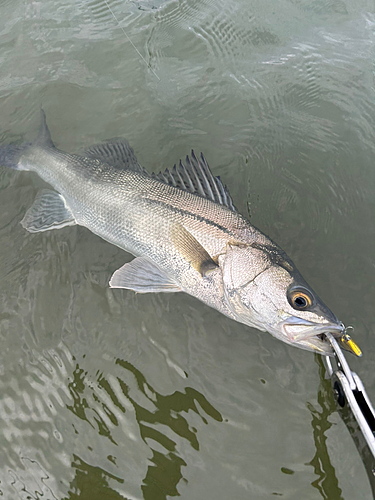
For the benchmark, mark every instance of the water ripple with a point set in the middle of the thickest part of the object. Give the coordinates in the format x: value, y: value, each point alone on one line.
x: 123, y: 396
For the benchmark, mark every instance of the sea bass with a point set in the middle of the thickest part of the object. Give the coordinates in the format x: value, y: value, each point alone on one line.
x: 183, y: 229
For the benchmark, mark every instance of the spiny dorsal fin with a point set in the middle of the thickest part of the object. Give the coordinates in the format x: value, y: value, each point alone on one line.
x: 116, y: 152
x: 196, y: 177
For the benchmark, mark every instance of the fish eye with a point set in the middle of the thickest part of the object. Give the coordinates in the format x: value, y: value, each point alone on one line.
x: 300, y: 299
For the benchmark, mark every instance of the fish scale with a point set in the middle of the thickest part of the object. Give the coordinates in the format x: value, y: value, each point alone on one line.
x: 183, y: 229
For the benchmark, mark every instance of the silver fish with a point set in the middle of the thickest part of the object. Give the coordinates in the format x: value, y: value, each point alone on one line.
x: 184, y: 230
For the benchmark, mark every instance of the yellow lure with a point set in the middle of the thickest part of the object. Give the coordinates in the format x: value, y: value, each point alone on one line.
x: 350, y: 345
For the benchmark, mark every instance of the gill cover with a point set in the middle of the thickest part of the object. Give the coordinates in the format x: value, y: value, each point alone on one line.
x: 241, y: 265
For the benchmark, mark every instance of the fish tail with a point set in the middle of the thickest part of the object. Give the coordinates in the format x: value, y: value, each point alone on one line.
x: 10, y: 155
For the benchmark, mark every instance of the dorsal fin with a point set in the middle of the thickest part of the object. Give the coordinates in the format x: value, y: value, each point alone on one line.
x: 116, y: 152
x: 196, y: 177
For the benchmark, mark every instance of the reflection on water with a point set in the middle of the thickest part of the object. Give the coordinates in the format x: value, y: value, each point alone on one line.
x: 92, y: 483
x: 326, y: 483
x: 162, y: 411
x: 94, y: 401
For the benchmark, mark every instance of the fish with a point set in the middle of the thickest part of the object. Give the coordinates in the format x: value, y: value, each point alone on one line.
x: 183, y: 229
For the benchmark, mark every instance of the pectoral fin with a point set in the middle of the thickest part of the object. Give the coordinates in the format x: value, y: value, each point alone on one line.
x: 49, y: 211
x: 192, y: 250
x: 142, y: 276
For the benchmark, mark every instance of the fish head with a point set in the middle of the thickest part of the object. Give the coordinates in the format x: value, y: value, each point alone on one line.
x: 263, y: 289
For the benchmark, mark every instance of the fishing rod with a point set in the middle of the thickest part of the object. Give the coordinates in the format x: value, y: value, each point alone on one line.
x: 353, y: 404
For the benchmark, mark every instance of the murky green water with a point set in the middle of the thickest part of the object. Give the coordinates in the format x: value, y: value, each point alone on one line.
x: 105, y: 394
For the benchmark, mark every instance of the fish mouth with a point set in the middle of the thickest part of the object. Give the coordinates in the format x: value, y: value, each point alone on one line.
x: 308, y: 335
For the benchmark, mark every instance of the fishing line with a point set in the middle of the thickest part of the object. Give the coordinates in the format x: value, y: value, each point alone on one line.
x: 134, y: 47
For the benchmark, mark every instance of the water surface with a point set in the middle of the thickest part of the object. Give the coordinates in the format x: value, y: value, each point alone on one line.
x: 106, y: 394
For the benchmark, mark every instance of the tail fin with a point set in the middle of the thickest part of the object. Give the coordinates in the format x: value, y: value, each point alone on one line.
x: 11, y: 153
x: 44, y: 136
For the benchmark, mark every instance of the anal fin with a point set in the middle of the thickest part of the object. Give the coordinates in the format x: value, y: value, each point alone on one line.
x: 142, y: 276
x: 49, y: 211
